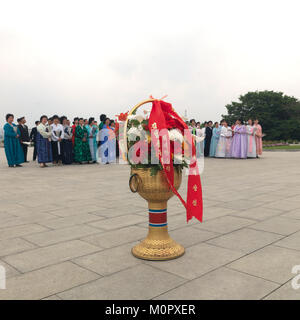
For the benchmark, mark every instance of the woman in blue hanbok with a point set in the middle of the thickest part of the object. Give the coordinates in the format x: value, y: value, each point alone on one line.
x: 13, y: 150
x: 214, y: 140
x: 43, y: 142
x: 92, y: 134
x: 107, y: 143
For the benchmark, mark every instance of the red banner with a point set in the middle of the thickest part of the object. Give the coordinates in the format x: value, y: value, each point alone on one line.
x: 163, y: 116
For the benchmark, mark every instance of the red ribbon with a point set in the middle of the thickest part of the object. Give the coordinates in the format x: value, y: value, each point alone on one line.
x: 163, y: 116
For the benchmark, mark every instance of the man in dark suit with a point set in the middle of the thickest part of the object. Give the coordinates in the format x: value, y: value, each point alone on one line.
x: 208, y: 135
x: 24, y: 136
x: 33, y: 134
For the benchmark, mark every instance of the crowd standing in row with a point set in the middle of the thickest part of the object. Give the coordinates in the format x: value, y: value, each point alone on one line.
x: 56, y: 141
x: 239, y: 141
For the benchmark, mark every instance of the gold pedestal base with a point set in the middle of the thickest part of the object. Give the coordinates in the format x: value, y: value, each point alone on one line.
x: 158, y: 246
x: 154, y: 188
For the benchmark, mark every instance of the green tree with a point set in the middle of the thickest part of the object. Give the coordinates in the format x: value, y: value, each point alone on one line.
x: 278, y: 114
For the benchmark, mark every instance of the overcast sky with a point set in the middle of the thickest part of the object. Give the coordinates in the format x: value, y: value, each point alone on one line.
x: 90, y: 57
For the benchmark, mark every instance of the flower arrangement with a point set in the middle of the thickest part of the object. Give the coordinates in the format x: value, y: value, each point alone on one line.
x: 141, y: 153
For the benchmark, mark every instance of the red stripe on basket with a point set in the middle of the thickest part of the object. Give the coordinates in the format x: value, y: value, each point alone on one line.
x: 157, y: 217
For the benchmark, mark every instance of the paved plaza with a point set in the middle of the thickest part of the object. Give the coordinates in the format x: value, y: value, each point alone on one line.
x: 66, y: 233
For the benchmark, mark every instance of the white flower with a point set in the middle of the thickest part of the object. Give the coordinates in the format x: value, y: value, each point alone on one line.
x: 178, y: 158
x: 136, y: 117
x: 175, y: 134
x: 133, y: 131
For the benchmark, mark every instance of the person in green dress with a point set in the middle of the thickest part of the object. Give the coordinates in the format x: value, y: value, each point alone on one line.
x: 13, y: 150
x: 81, y: 148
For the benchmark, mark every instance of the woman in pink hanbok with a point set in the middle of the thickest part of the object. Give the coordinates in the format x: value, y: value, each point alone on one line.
x: 258, y: 138
x: 251, y: 139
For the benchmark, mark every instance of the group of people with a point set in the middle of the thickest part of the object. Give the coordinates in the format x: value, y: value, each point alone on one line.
x: 221, y: 140
x: 56, y: 141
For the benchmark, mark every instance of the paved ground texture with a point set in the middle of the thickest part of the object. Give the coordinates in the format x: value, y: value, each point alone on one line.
x: 66, y: 233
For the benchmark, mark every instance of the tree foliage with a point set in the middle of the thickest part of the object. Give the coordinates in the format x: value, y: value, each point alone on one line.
x: 278, y: 114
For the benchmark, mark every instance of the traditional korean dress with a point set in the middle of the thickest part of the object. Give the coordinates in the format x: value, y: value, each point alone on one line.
x: 81, y: 149
x: 200, y: 136
x: 57, y: 133
x: 13, y: 150
x: 223, y: 148
x: 202, y: 144
x: 92, y: 134
x: 258, y: 139
x: 43, y: 144
x: 251, y: 141
x: 67, y: 146
x: 108, y: 145
x: 197, y: 133
x: 73, y: 134
x: 207, y: 141
x: 214, y: 141
x: 239, y: 144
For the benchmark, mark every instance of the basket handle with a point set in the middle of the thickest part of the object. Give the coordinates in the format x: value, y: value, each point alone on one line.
x: 126, y: 122
x: 131, y: 184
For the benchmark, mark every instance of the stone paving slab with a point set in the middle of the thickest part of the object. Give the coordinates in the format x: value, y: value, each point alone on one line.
x: 109, y: 261
x: 60, y: 235
x: 271, y: 263
x: 136, y: 283
x: 41, y: 257
x: 222, y: 284
x: 199, y: 259
x: 278, y: 225
x: 285, y: 292
x: 290, y: 242
x: 225, y: 224
x: 258, y: 213
x: 66, y: 233
x: 69, y: 221
x: 45, y: 282
x: 16, y: 245
x: 245, y: 240
x: 109, y: 239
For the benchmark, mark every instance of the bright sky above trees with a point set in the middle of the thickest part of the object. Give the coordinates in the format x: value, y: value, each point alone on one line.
x: 91, y: 57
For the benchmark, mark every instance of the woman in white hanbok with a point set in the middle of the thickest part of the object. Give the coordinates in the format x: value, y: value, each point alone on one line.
x: 223, y: 147
x: 251, y: 140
